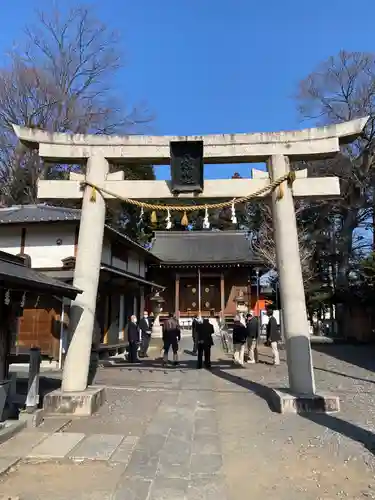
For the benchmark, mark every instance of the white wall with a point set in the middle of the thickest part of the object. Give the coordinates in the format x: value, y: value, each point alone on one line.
x: 41, y: 242
x: 41, y: 245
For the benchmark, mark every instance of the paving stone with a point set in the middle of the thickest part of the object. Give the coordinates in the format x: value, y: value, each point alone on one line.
x: 171, y: 468
x: 124, y: 451
x: 131, y: 488
x: 205, y: 464
x: 97, y: 447
x: 151, y: 444
x: 206, y: 488
x: 168, y: 489
x: 6, y: 463
x: 53, y: 424
x: 206, y: 444
x: 142, y: 465
x: 159, y: 427
x: 175, y: 458
x: 22, y: 444
x: 177, y: 448
x: 183, y: 429
x: 206, y: 425
x: 58, y: 445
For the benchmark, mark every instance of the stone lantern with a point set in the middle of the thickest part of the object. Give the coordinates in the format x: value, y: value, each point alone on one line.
x: 157, y: 302
x: 241, y: 307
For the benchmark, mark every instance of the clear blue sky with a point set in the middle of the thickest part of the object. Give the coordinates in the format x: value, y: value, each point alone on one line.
x: 217, y: 66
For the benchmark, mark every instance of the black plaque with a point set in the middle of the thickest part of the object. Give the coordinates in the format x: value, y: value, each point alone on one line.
x: 187, y: 166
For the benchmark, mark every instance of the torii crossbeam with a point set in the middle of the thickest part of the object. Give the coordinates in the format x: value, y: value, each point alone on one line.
x: 274, y: 148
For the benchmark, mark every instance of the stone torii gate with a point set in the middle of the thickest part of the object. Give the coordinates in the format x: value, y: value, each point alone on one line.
x: 273, y: 148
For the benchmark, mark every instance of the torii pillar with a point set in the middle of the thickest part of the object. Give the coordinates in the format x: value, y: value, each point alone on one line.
x: 274, y: 148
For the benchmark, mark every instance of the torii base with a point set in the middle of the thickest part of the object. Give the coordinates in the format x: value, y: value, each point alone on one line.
x: 82, y: 403
x: 283, y: 401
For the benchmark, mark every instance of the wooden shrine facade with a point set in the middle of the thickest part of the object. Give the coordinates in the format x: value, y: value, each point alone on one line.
x: 205, y: 271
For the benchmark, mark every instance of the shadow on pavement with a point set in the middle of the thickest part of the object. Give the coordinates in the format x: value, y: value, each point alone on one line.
x: 362, y: 356
x: 328, y: 421
x: 260, y: 390
x: 147, y: 364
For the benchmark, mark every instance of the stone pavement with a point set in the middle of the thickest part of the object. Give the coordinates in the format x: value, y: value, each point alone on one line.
x: 180, y: 433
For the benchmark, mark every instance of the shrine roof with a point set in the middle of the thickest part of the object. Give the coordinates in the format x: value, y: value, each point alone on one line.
x: 30, y: 214
x: 20, y: 214
x: 203, y: 247
x: 15, y: 274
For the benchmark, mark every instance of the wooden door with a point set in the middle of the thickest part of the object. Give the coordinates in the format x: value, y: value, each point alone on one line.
x: 210, y: 293
x: 188, y: 296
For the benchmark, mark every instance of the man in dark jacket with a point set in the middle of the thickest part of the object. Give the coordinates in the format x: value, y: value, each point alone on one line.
x: 273, y: 336
x: 204, y: 341
x: 171, y: 338
x: 133, y: 338
x: 252, y: 326
x: 239, y: 340
x: 145, y: 328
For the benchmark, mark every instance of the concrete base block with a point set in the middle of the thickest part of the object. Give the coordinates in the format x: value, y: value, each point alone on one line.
x: 75, y: 403
x: 284, y: 401
x: 33, y: 419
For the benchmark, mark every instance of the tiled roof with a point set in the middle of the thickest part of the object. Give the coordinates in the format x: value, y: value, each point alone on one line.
x: 13, y: 273
x: 199, y: 247
x: 37, y: 213
x: 25, y: 214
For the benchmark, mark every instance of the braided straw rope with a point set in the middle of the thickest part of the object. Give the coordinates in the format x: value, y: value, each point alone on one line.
x: 289, y: 177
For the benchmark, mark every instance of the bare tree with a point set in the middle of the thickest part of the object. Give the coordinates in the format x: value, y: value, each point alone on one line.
x: 343, y: 88
x: 263, y: 245
x: 60, y: 81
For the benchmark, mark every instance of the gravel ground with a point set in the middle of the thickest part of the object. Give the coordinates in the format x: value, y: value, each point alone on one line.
x: 239, y: 449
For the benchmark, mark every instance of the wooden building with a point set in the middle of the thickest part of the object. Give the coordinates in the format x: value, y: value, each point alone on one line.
x: 17, y: 284
x: 48, y: 237
x: 204, y: 271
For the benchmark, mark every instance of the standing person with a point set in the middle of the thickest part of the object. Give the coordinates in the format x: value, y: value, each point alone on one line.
x: 145, y: 328
x: 273, y: 336
x: 171, y: 338
x: 196, y: 322
x: 133, y: 338
x: 205, y: 331
x: 239, y: 340
x: 252, y: 326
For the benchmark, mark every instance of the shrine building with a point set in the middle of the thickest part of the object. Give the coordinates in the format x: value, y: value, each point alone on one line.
x: 194, y: 271
x: 205, y: 271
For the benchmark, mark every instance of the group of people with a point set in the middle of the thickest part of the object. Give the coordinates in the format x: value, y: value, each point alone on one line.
x: 246, y: 334
x: 203, y: 331
x: 139, y: 335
